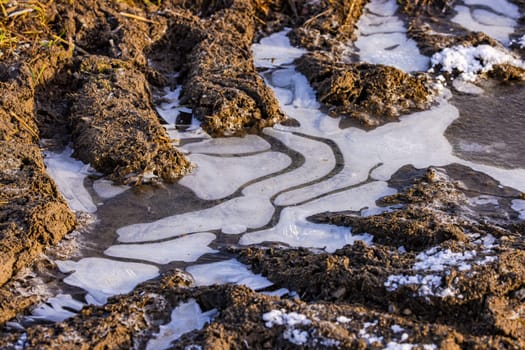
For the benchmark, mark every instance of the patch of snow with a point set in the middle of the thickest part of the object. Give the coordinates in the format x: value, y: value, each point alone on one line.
x: 229, y: 271
x: 439, y: 260
x: 368, y: 337
x: 185, y: 318
x: 69, y: 175
x: 103, y: 278
x: 290, y: 321
x: 343, y: 319
x: 188, y: 248
x: 502, y: 6
x: 472, y: 60
x: 396, y: 328
x: 466, y: 87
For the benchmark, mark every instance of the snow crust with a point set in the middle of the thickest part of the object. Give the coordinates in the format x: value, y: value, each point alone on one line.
x: 103, y: 278
x: 185, y: 318
x: 472, y: 60
x: 382, y: 38
x: 69, y: 175
x: 228, y: 271
x: 188, y: 248
x: 55, y: 309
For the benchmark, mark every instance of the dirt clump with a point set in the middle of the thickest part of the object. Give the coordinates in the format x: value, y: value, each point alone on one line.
x: 372, y: 94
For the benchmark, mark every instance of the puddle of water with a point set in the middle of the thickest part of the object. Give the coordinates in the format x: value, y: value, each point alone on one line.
x: 262, y: 188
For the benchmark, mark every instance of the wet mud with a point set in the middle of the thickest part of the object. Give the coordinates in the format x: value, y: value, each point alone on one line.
x: 447, y: 264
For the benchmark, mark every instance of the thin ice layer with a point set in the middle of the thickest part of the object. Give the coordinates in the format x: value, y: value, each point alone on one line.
x: 319, y: 161
x: 188, y: 248
x: 295, y: 230
x: 275, y: 50
x: 103, y: 278
x: 519, y: 206
x: 497, y: 26
x: 69, y: 175
x: 228, y: 271
x: 249, y: 211
x: 106, y: 189
x: 229, y: 145
x: 500, y: 6
x: 219, y: 177
x: 57, y: 309
x: 382, y: 38
x: 185, y: 318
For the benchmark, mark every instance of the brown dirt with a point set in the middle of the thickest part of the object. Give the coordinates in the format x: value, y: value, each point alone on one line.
x: 372, y: 94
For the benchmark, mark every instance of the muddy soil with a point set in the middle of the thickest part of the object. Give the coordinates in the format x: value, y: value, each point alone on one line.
x: 85, y: 73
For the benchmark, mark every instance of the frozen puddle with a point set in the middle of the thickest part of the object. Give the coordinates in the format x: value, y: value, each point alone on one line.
x: 259, y: 193
x: 383, y: 40
x: 495, y: 18
x: 184, y: 318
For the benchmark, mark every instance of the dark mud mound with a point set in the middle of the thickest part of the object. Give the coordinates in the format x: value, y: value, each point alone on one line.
x: 220, y: 81
x: 372, y: 94
x: 115, y: 127
x: 244, y: 319
x: 33, y: 214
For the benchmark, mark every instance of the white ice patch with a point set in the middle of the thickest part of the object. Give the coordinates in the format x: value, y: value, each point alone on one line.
x: 478, y: 20
x: 105, y: 189
x: 252, y: 212
x: 290, y: 321
x: 382, y: 38
x: 295, y: 230
x: 519, y: 206
x: 319, y: 161
x: 473, y: 60
x: 103, y: 278
x: 57, y: 309
x: 501, y: 6
x: 209, y: 183
x: 229, y: 271
x: 188, y: 248
x: 170, y: 109
x: 275, y: 50
x: 69, y: 175
x: 184, y: 318
x: 466, y: 87
x: 229, y: 145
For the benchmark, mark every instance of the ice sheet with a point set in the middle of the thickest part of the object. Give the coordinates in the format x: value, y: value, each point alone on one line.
x: 319, y: 161
x: 69, y: 175
x: 295, y: 230
x: 188, y: 248
x: 229, y: 145
x: 106, y: 189
x: 500, y: 6
x: 249, y: 211
x: 54, y: 309
x: 275, y: 50
x: 103, y: 278
x: 496, y: 26
x: 382, y: 38
x: 229, y: 271
x: 185, y: 318
x: 219, y: 177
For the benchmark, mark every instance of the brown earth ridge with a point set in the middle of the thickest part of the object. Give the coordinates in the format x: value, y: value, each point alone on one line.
x: 84, y: 73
